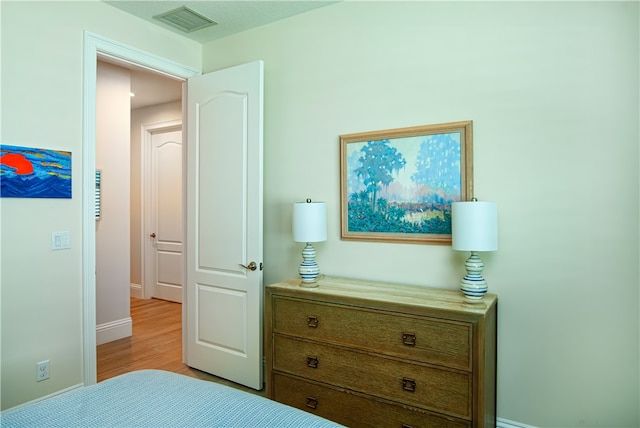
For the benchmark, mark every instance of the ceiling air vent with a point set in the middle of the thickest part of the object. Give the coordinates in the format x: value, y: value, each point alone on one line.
x: 185, y: 19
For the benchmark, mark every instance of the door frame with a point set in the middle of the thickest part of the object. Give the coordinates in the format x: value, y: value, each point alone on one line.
x: 147, y: 246
x: 96, y: 46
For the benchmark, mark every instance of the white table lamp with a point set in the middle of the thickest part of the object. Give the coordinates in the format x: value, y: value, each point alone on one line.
x: 309, y: 225
x: 474, y: 227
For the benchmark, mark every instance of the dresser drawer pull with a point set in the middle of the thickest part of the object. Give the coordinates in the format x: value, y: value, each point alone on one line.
x: 408, y: 384
x: 312, y: 322
x: 312, y: 403
x: 312, y: 362
x: 409, y: 339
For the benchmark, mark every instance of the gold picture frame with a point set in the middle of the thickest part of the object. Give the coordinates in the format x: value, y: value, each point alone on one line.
x: 397, y: 185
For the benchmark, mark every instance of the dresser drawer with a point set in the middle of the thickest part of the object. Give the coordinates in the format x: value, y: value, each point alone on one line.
x: 446, y: 343
x: 355, y: 410
x: 441, y: 390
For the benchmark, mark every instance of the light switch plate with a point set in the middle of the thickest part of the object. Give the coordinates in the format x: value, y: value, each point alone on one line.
x: 61, y: 240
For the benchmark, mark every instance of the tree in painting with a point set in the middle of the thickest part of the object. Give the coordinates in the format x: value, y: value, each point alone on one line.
x: 378, y: 162
x: 437, y: 177
x: 438, y: 163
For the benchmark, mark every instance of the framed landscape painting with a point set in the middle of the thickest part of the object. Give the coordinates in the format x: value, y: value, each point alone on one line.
x: 398, y: 185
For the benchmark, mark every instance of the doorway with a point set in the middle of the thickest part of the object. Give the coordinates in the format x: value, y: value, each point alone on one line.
x: 129, y: 104
x: 225, y: 111
x: 97, y: 47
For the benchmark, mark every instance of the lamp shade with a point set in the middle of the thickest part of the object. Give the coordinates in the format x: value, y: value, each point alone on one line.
x: 309, y: 221
x: 474, y: 226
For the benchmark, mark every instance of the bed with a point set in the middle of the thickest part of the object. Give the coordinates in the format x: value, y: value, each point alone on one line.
x: 156, y: 398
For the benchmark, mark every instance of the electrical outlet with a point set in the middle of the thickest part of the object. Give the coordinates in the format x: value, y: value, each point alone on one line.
x: 42, y: 370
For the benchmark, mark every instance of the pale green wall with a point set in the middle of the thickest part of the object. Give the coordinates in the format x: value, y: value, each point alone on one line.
x: 42, y: 61
x: 552, y: 89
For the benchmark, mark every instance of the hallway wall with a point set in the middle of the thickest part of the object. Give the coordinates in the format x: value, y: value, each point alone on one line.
x: 112, y: 230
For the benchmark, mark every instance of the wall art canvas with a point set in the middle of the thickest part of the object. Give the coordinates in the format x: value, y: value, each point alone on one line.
x: 27, y: 172
x: 398, y: 185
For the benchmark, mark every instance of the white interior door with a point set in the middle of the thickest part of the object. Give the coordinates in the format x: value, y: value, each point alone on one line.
x: 224, y: 224
x: 163, y: 261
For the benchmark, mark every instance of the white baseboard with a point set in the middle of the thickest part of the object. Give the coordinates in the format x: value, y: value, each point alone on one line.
x: 135, y: 290
x: 114, y: 330
x: 53, y: 394
x: 505, y: 423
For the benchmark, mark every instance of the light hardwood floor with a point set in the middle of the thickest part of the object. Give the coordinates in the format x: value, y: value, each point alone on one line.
x: 156, y: 344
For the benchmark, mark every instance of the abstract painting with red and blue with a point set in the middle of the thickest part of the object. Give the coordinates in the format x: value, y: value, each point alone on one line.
x: 27, y: 172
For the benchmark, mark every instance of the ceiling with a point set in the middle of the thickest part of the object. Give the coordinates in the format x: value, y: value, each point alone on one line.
x: 231, y: 17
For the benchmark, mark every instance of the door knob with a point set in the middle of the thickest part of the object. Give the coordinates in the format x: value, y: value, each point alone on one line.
x: 153, y: 235
x: 252, y: 266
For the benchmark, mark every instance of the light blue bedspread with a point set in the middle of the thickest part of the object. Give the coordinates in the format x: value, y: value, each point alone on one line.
x: 155, y: 398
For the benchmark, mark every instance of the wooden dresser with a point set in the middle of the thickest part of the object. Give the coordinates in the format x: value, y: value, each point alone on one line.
x: 374, y: 354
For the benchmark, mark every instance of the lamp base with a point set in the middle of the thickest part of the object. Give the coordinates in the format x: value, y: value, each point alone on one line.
x: 313, y: 284
x: 473, y: 285
x: 309, y: 269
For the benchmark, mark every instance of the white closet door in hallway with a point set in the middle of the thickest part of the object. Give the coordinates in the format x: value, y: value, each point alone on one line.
x: 164, y: 229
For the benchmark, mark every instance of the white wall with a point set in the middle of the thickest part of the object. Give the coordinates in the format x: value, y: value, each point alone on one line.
x: 113, y: 320
x: 552, y: 89
x: 41, y: 302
